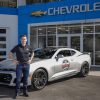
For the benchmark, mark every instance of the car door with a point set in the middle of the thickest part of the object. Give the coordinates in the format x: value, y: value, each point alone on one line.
x: 65, y: 61
x: 72, y: 60
x: 62, y: 62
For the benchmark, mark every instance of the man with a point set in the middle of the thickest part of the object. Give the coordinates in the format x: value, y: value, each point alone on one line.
x: 24, y: 57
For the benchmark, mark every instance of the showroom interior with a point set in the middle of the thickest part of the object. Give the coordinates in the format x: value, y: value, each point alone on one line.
x: 51, y: 24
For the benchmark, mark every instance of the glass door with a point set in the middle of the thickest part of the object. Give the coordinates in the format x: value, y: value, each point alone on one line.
x: 33, y: 37
x: 62, y: 41
x: 97, y: 44
x: 75, y: 42
x: 97, y: 49
x: 88, y: 44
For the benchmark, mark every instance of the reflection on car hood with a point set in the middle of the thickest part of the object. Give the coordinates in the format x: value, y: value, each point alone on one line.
x: 8, y: 65
x: 7, y: 68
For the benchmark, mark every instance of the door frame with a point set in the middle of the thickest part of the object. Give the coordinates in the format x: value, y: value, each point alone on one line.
x: 81, y: 40
x: 64, y: 35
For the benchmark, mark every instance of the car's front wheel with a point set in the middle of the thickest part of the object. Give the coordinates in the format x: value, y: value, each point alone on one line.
x: 84, y: 70
x: 39, y: 79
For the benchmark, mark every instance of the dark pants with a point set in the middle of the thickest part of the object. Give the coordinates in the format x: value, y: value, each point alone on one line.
x: 22, y: 70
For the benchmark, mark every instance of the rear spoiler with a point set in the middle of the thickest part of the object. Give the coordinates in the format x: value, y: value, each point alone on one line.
x: 87, y: 53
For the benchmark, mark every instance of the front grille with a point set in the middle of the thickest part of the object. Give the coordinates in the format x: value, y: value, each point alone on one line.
x: 5, y: 78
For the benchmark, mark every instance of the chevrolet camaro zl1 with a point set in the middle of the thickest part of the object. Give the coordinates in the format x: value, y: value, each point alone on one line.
x: 48, y: 65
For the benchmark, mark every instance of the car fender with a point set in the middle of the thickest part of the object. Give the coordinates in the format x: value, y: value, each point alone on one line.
x: 48, y: 65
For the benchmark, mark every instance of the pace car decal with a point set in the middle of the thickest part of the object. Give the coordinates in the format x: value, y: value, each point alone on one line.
x: 65, y: 64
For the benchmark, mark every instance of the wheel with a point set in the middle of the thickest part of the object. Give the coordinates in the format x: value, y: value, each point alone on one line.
x: 84, y: 70
x: 39, y: 79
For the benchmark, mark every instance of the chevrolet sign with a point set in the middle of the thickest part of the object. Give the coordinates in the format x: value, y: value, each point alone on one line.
x: 74, y: 9
x: 38, y: 13
x: 63, y: 10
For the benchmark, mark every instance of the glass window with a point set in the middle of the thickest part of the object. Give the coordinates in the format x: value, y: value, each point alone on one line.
x: 42, y: 41
x: 2, y: 53
x: 2, y: 45
x: 62, y: 41
x: 41, y: 31
x: 62, y: 30
x: 36, y: 1
x: 39, y: 1
x: 88, y: 29
x: 75, y: 42
x: 33, y: 37
x: 65, y: 53
x: 72, y: 52
x: 88, y: 44
x: 32, y: 1
x: 51, y: 40
x: 8, y: 3
x: 44, y: 53
x: 2, y: 31
x: 97, y: 29
x: 75, y: 30
x: 51, y: 31
x: 97, y: 49
x: 2, y: 38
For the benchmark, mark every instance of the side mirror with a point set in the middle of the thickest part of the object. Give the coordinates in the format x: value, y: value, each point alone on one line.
x: 59, y: 56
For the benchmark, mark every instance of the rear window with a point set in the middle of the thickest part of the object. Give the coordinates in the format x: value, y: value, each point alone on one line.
x: 67, y: 53
x: 72, y: 52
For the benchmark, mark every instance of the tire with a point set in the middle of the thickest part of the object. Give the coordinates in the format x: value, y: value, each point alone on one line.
x: 84, y: 70
x: 39, y: 79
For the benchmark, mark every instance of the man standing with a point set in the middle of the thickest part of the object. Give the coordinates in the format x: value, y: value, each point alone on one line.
x: 24, y: 56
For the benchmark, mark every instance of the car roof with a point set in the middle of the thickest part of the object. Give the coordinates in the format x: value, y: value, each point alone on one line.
x: 67, y: 49
x: 55, y: 49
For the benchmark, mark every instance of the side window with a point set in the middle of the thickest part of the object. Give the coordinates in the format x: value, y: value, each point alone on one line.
x: 61, y: 53
x: 72, y: 52
x: 65, y: 53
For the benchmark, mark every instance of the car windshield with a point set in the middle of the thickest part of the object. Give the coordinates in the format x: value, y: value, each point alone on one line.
x: 44, y: 54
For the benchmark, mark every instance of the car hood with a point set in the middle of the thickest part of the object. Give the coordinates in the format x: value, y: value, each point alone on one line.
x: 8, y: 65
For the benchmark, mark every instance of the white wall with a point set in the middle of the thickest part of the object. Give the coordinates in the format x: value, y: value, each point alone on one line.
x: 10, y: 22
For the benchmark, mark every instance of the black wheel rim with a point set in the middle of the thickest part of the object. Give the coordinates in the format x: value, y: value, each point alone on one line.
x: 40, y: 80
x: 85, y: 69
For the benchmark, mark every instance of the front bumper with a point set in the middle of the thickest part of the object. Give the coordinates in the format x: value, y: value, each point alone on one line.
x: 9, y: 78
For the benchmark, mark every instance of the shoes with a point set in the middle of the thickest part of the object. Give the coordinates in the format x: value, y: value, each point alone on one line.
x: 16, y: 95
x: 26, y: 94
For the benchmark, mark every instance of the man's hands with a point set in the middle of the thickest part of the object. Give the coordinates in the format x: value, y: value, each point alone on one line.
x: 11, y: 57
x: 16, y: 62
x: 29, y: 62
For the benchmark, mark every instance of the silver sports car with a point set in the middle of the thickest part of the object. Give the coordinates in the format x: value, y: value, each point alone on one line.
x: 49, y: 65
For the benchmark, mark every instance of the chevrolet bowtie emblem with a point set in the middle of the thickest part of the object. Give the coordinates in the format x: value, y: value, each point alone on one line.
x: 38, y: 13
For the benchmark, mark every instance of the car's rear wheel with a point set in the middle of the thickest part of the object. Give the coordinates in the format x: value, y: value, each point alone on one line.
x: 39, y: 79
x: 84, y: 69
